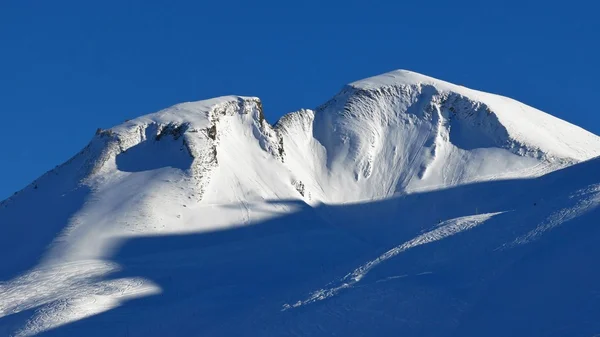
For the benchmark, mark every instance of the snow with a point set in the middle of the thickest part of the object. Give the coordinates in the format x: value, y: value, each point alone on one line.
x: 402, y: 132
x: 404, y: 205
x: 448, y: 228
x: 523, y: 123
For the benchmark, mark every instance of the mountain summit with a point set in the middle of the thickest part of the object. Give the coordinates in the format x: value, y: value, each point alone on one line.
x: 404, y: 205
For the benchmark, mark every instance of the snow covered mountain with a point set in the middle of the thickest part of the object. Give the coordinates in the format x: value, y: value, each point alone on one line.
x: 404, y: 205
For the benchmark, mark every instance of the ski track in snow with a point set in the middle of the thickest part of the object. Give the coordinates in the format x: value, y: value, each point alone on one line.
x: 587, y: 200
x: 442, y: 231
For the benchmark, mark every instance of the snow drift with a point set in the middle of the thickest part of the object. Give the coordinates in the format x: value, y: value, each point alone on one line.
x: 403, y: 205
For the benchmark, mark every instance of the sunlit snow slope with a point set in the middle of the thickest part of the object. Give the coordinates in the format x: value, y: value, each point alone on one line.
x: 404, y: 205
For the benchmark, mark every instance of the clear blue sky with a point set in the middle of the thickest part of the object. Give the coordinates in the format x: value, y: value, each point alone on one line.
x: 69, y: 67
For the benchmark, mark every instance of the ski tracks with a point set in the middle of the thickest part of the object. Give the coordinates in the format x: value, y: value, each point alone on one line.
x: 588, y: 199
x: 441, y: 231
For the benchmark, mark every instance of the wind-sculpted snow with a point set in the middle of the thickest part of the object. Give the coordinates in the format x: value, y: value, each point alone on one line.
x: 67, y: 293
x: 376, y: 138
x: 404, y: 205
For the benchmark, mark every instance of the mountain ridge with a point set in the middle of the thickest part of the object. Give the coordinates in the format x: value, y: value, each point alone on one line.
x: 393, y: 83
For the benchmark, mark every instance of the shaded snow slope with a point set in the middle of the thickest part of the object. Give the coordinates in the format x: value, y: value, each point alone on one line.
x: 404, y: 205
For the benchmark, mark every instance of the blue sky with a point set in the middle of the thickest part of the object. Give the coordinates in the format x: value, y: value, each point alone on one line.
x: 69, y: 67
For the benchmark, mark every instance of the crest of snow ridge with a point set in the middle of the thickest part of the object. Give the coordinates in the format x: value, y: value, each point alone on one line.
x: 189, y: 131
x: 354, y: 128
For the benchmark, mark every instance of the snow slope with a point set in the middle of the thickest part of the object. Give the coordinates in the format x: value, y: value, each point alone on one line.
x: 404, y: 205
x: 403, y: 131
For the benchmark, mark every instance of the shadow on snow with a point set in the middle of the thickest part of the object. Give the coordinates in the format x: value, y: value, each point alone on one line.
x: 235, y: 282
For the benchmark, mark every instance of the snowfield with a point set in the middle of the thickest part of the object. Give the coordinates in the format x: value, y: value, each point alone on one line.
x: 405, y: 205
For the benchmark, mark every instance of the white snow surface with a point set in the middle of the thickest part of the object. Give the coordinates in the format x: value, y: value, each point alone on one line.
x: 405, y: 205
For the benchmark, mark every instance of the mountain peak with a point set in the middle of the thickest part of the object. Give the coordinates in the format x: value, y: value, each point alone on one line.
x: 522, y: 123
x: 400, y: 77
x: 200, y: 113
x: 403, y: 131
